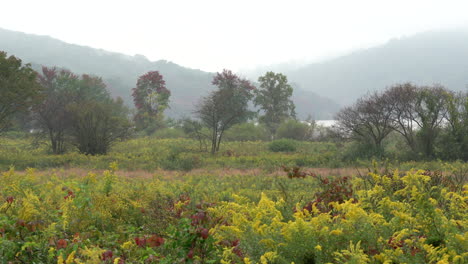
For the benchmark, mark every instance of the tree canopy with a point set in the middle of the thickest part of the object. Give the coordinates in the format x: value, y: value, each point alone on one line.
x: 226, y: 106
x: 274, y: 98
x: 79, y: 110
x: 151, y: 98
x: 19, y: 88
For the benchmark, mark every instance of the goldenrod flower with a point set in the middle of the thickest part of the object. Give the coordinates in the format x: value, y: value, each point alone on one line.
x: 336, y: 232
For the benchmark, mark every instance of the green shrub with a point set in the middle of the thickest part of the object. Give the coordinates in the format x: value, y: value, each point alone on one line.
x: 180, y: 158
x: 294, y: 129
x: 360, y: 150
x: 283, y: 145
x: 246, y: 132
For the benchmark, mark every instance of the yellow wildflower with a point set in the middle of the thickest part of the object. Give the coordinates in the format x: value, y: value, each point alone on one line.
x: 127, y: 245
x: 336, y: 232
x: 70, y: 258
x: 60, y: 260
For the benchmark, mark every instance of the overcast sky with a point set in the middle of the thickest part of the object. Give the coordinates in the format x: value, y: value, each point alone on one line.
x: 216, y: 34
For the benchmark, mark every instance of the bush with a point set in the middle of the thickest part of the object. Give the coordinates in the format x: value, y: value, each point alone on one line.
x: 246, y: 132
x: 294, y: 129
x: 360, y: 150
x: 97, y: 125
x: 283, y: 145
x: 180, y: 158
x: 184, y: 162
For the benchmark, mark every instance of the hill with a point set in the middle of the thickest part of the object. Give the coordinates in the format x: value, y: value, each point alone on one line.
x: 121, y: 72
x: 425, y: 58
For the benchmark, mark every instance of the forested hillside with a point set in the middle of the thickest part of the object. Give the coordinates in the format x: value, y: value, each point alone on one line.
x: 121, y: 71
x: 425, y: 58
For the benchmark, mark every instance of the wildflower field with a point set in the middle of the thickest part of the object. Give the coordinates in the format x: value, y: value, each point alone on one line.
x: 296, y: 216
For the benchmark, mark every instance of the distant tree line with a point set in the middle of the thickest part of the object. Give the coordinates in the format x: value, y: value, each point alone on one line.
x: 77, y: 110
x: 228, y: 106
x: 222, y: 109
x: 432, y: 121
x: 73, y: 110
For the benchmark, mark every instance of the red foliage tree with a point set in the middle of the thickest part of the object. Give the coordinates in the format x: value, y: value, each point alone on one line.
x: 151, y: 98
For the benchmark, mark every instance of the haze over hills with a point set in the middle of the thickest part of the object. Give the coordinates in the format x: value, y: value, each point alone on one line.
x: 121, y: 72
x: 425, y: 58
x: 319, y: 88
x: 118, y: 70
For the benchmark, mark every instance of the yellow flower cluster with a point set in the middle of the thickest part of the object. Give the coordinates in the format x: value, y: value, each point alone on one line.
x: 399, y: 218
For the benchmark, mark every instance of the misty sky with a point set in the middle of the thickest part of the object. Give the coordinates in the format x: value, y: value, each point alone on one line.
x: 216, y: 34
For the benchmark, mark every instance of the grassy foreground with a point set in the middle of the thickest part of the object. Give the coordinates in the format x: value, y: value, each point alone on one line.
x: 150, y: 154
x: 170, y: 154
x: 206, y: 217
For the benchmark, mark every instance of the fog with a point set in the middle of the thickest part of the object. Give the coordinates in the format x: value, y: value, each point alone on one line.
x: 239, y: 35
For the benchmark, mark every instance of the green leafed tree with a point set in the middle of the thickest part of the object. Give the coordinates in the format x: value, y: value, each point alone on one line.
x: 431, y: 109
x: 454, y: 139
x: 96, y: 125
x: 61, y: 88
x: 19, y: 88
x: 274, y: 99
x: 293, y: 129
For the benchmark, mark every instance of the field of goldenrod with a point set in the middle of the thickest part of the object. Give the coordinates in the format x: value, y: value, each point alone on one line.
x: 298, y: 217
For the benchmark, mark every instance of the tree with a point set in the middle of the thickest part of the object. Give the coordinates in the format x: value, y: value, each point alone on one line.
x: 51, y: 114
x: 226, y: 106
x: 61, y: 88
x: 418, y: 114
x: 293, y: 129
x: 91, y: 88
x: 431, y: 109
x: 274, y: 98
x: 454, y: 141
x: 98, y: 124
x: 18, y: 88
x: 404, y: 115
x: 368, y: 120
x: 194, y: 129
x: 151, y: 98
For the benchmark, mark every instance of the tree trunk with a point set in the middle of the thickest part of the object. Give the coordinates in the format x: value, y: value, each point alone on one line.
x: 219, y: 139
x: 214, y: 140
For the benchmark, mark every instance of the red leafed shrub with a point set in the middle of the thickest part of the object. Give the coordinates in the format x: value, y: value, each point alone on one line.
x: 140, y: 241
x: 107, y: 255
x: 10, y: 199
x: 61, y: 243
x: 297, y: 172
x: 204, y: 233
x: 155, y: 241
x: 150, y: 241
x: 338, y: 189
